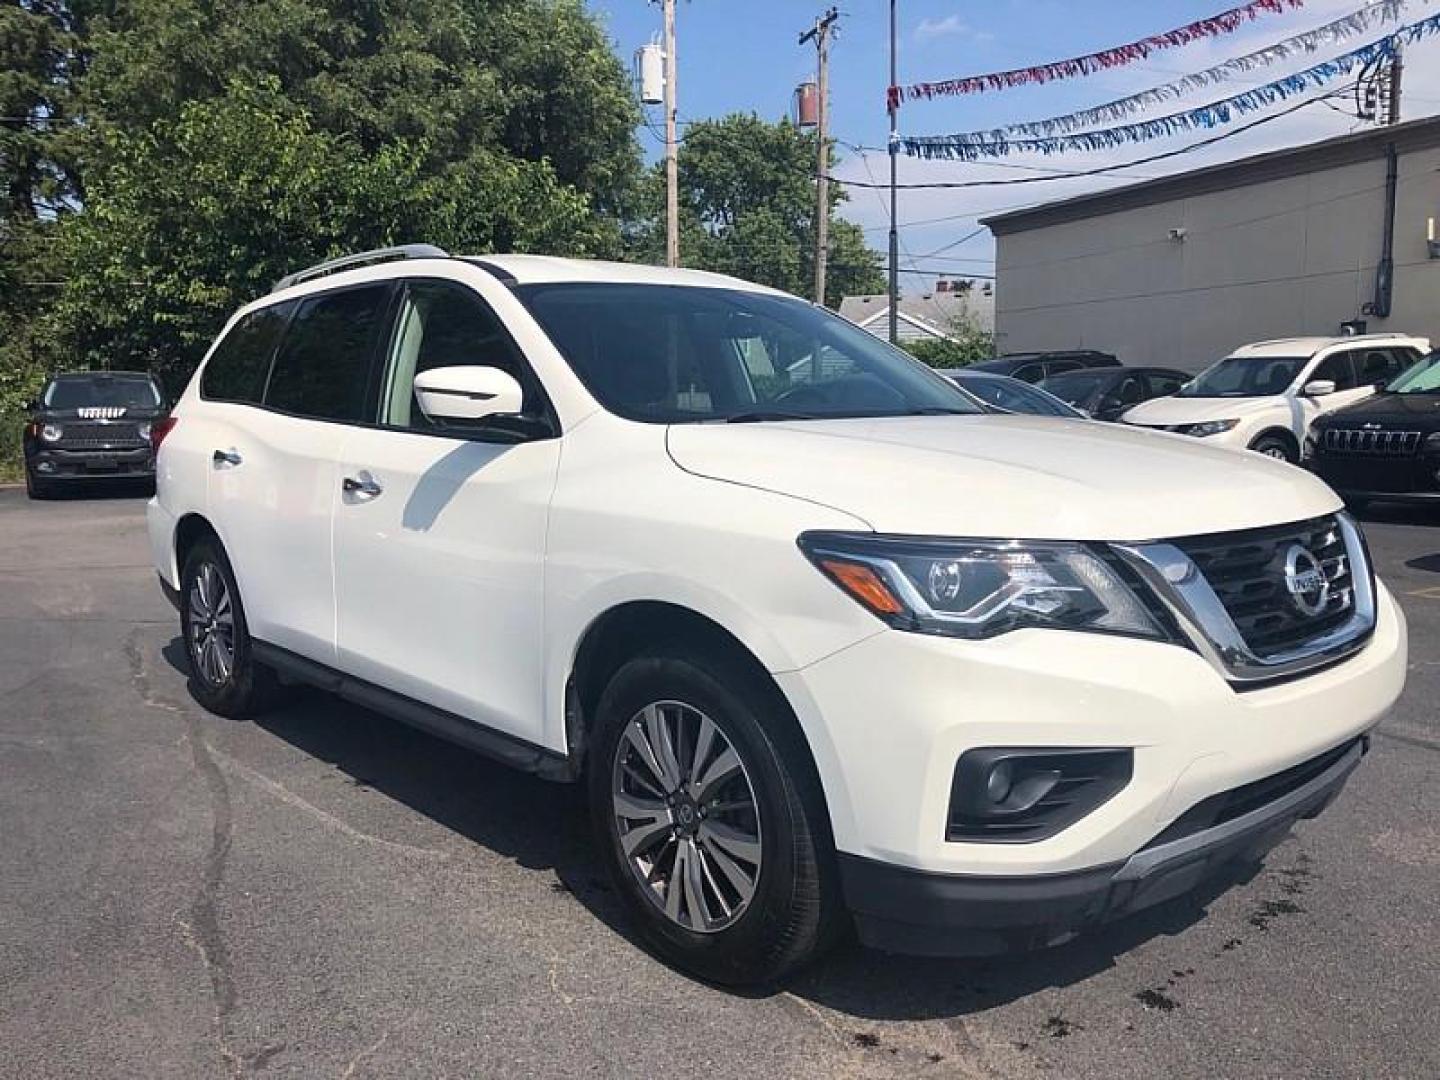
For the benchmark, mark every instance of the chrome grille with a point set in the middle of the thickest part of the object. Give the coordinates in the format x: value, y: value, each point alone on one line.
x: 1361, y: 441
x: 1265, y: 604
x: 1247, y: 570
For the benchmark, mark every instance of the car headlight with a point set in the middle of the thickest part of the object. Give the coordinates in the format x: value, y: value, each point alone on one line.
x: 51, y: 432
x: 143, y: 431
x: 1312, y: 442
x: 1432, y: 441
x: 1209, y: 427
x: 980, y: 588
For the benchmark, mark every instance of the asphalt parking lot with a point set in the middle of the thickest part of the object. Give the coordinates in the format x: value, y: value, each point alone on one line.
x: 326, y: 893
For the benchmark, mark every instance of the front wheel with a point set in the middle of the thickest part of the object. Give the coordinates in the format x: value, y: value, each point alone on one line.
x: 225, y: 677
x: 35, y: 488
x: 711, y: 823
x: 1277, y: 447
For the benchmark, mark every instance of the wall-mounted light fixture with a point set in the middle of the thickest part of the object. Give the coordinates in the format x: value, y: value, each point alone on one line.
x: 1177, y: 236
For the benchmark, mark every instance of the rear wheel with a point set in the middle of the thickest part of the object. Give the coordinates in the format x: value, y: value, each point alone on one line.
x: 225, y: 677
x: 1277, y: 447
x: 711, y: 822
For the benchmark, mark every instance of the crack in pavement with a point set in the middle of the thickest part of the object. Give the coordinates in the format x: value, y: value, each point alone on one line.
x: 200, y: 928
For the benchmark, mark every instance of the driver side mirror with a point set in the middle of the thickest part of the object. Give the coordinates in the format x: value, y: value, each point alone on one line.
x: 1319, y: 388
x: 467, y: 395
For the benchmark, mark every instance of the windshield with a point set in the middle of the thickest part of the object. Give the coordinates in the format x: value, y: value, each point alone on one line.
x: 86, y: 391
x: 1077, y: 387
x: 683, y: 354
x: 1421, y: 377
x: 1245, y: 376
x: 1012, y: 395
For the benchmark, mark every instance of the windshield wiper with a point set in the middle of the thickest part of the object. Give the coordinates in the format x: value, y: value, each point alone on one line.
x: 755, y: 416
x: 938, y: 410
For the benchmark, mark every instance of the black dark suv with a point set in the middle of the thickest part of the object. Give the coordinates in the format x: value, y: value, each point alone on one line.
x: 1385, y: 448
x: 91, y: 425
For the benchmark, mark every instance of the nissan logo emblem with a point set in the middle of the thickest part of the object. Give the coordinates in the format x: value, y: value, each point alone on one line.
x: 1307, y: 584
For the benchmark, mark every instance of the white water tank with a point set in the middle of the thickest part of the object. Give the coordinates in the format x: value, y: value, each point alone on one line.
x: 650, y: 73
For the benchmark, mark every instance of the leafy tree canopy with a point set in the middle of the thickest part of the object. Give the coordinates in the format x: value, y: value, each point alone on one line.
x: 747, y: 206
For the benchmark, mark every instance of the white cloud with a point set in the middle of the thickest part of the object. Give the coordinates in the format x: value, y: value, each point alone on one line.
x: 929, y: 29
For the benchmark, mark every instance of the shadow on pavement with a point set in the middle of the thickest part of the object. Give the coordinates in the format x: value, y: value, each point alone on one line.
x: 99, y: 490
x: 545, y: 826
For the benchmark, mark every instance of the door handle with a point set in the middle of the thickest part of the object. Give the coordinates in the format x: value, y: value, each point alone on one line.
x: 226, y: 457
x: 361, y: 487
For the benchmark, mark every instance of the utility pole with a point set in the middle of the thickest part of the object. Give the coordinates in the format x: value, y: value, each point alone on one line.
x: 1392, y: 86
x: 672, y: 170
x: 820, y: 34
x: 894, y: 106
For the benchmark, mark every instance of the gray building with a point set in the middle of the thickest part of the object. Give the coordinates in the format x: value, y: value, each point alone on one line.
x: 926, y: 315
x: 1180, y: 270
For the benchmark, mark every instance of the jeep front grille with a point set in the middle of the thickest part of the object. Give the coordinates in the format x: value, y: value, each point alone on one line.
x: 1360, y: 441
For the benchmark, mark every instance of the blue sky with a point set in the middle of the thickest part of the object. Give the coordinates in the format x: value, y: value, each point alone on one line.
x: 742, y: 56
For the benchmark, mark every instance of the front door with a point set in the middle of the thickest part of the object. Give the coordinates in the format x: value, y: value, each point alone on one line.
x: 440, y: 534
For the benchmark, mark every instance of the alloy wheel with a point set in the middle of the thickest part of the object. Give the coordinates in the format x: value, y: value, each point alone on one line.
x: 686, y: 816
x: 212, y: 626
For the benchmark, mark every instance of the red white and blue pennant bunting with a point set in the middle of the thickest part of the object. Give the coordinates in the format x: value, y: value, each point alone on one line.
x: 1224, y: 23
x: 969, y: 147
x: 1359, y: 22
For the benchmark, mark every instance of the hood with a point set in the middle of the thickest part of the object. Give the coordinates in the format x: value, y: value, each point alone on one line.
x: 1415, y: 412
x: 1167, y: 411
x: 1015, y: 477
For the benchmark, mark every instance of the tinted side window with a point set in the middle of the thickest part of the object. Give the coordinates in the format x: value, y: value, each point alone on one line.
x: 323, y: 370
x: 237, y: 368
x: 445, y: 325
x: 1339, y: 369
x: 1382, y: 365
x: 1031, y: 373
x: 1162, y: 385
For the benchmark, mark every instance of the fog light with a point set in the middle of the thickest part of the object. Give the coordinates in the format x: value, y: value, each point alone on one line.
x: 1023, y: 794
x: 1002, y: 779
x: 45, y: 466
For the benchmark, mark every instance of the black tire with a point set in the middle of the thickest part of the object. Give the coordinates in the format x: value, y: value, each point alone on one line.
x: 794, y: 913
x: 1276, y: 446
x: 247, y: 686
x: 36, y: 488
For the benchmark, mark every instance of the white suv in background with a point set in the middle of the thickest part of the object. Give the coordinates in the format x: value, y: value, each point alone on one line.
x: 1265, y: 396
x: 824, y: 640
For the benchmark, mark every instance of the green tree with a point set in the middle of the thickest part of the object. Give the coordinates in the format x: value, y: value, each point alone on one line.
x: 747, y: 199
x: 965, y: 344
x: 207, y: 211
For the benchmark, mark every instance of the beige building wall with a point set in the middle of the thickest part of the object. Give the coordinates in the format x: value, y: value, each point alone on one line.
x: 1284, y: 257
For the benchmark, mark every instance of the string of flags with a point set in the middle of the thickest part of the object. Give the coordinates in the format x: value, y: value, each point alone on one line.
x: 1352, y: 25
x: 972, y: 146
x: 1224, y: 23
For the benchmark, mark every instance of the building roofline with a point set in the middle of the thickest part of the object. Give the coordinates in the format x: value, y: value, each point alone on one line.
x: 1421, y: 134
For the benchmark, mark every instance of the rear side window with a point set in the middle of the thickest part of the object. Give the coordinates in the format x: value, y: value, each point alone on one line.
x: 323, y: 369
x: 237, y: 368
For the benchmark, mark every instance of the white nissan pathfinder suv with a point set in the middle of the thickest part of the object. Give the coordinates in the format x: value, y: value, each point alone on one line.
x: 826, y: 643
x: 1264, y: 397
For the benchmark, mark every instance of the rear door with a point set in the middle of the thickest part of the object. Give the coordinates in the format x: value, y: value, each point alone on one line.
x: 1341, y: 368
x: 274, y: 475
x: 440, y: 543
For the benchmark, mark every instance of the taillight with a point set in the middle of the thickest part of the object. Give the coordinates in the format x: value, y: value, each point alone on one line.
x: 159, y: 429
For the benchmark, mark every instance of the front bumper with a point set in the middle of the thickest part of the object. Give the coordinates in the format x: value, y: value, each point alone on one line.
x: 910, y: 911
x: 57, y: 463
x: 888, y: 718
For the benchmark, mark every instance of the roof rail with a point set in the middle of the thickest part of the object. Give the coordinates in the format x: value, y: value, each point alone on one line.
x: 349, y: 262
